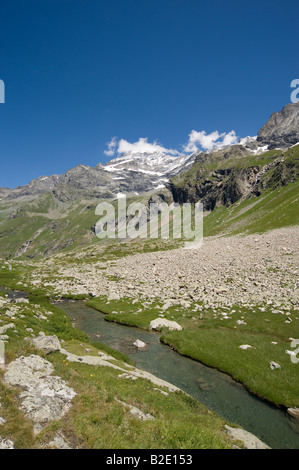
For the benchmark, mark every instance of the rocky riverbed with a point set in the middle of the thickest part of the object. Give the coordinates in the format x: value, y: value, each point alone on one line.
x: 250, y: 270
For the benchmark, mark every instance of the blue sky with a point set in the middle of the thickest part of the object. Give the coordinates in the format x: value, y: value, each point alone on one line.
x: 78, y: 73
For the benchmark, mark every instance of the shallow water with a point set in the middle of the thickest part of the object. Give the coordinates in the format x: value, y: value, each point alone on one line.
x: 212, y: 388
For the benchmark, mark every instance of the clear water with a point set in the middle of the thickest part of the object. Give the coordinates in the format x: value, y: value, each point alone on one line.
x: 212, y: 388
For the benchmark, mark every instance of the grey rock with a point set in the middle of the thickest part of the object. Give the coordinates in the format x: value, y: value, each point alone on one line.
x: 163, y: 322
x: 6, y: 444
x: 4, y: 337
x: 22, y: 300
x: 45, y: 343
x: 249, y: 440
x: 274, y: 365
x: 10, y: 314
x: 132, y: 172
x: 282, y: 128
x: 113, y: 296
x: 59, y: 443
x: 4, y: 328
x: 44, y: 397
x: 136, y: 411
x: 139, y: 344
x: 293, y: 412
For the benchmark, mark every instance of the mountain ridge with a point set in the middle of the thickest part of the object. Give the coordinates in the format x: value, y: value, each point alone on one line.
x: 142, y: 171
x: 57, y: 213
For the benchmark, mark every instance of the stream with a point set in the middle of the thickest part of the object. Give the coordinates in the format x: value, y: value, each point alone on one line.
x: 218, y: 391
x: 214, y: 389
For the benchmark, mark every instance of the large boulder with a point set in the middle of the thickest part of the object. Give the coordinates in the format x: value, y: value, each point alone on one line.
x: 44, y: 397
x: 45, y: 343
x: 139, y: 344
x: 163, y: 322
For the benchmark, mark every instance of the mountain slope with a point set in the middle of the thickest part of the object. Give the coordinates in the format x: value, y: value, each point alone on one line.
x: 225, y: 176
x: 132, y: 172
x: 243, y: 193
x: 282, y: 128
x: 240, y: 187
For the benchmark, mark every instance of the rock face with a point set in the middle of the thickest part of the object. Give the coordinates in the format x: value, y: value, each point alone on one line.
x: 282, y: 128
x: 221, y: 187
x: 143, y: 171
x: 132, y: 172
x: 44, y: 397
x: 218, y: 179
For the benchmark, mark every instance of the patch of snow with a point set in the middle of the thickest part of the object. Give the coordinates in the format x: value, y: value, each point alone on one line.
x: 247, y: 139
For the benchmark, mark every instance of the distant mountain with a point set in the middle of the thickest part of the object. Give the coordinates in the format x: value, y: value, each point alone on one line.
x: 132, y: 173
x: 141, y: 171
x: 282, y: 128
x: 222, y: 177
x: 226, y: 176
x: 56, y: 213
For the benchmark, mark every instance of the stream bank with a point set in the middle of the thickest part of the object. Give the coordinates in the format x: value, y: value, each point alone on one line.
x: 216, y: 390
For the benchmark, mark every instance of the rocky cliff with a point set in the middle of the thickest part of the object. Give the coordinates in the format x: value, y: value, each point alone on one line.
x: 224, y: 177
x: 282, y: 128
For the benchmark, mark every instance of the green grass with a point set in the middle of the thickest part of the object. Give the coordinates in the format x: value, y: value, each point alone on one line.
x: 96, y: 419
x: 209, y: 338
x: 52, y: 226
x: 273, y: 209
x: 17, y: 426
x: 127, y: 312
x: 99, y: 421
x: 274, y: 204
x: 220, y: 349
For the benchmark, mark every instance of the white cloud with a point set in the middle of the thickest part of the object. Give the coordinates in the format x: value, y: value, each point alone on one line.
x: 142, y: 145
x: 197, y: 141
x: 230, y: 139
x: 111, y: 147
x: 202, y: 140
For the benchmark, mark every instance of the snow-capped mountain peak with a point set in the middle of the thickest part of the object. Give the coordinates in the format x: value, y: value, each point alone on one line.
x: 160, y: 166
